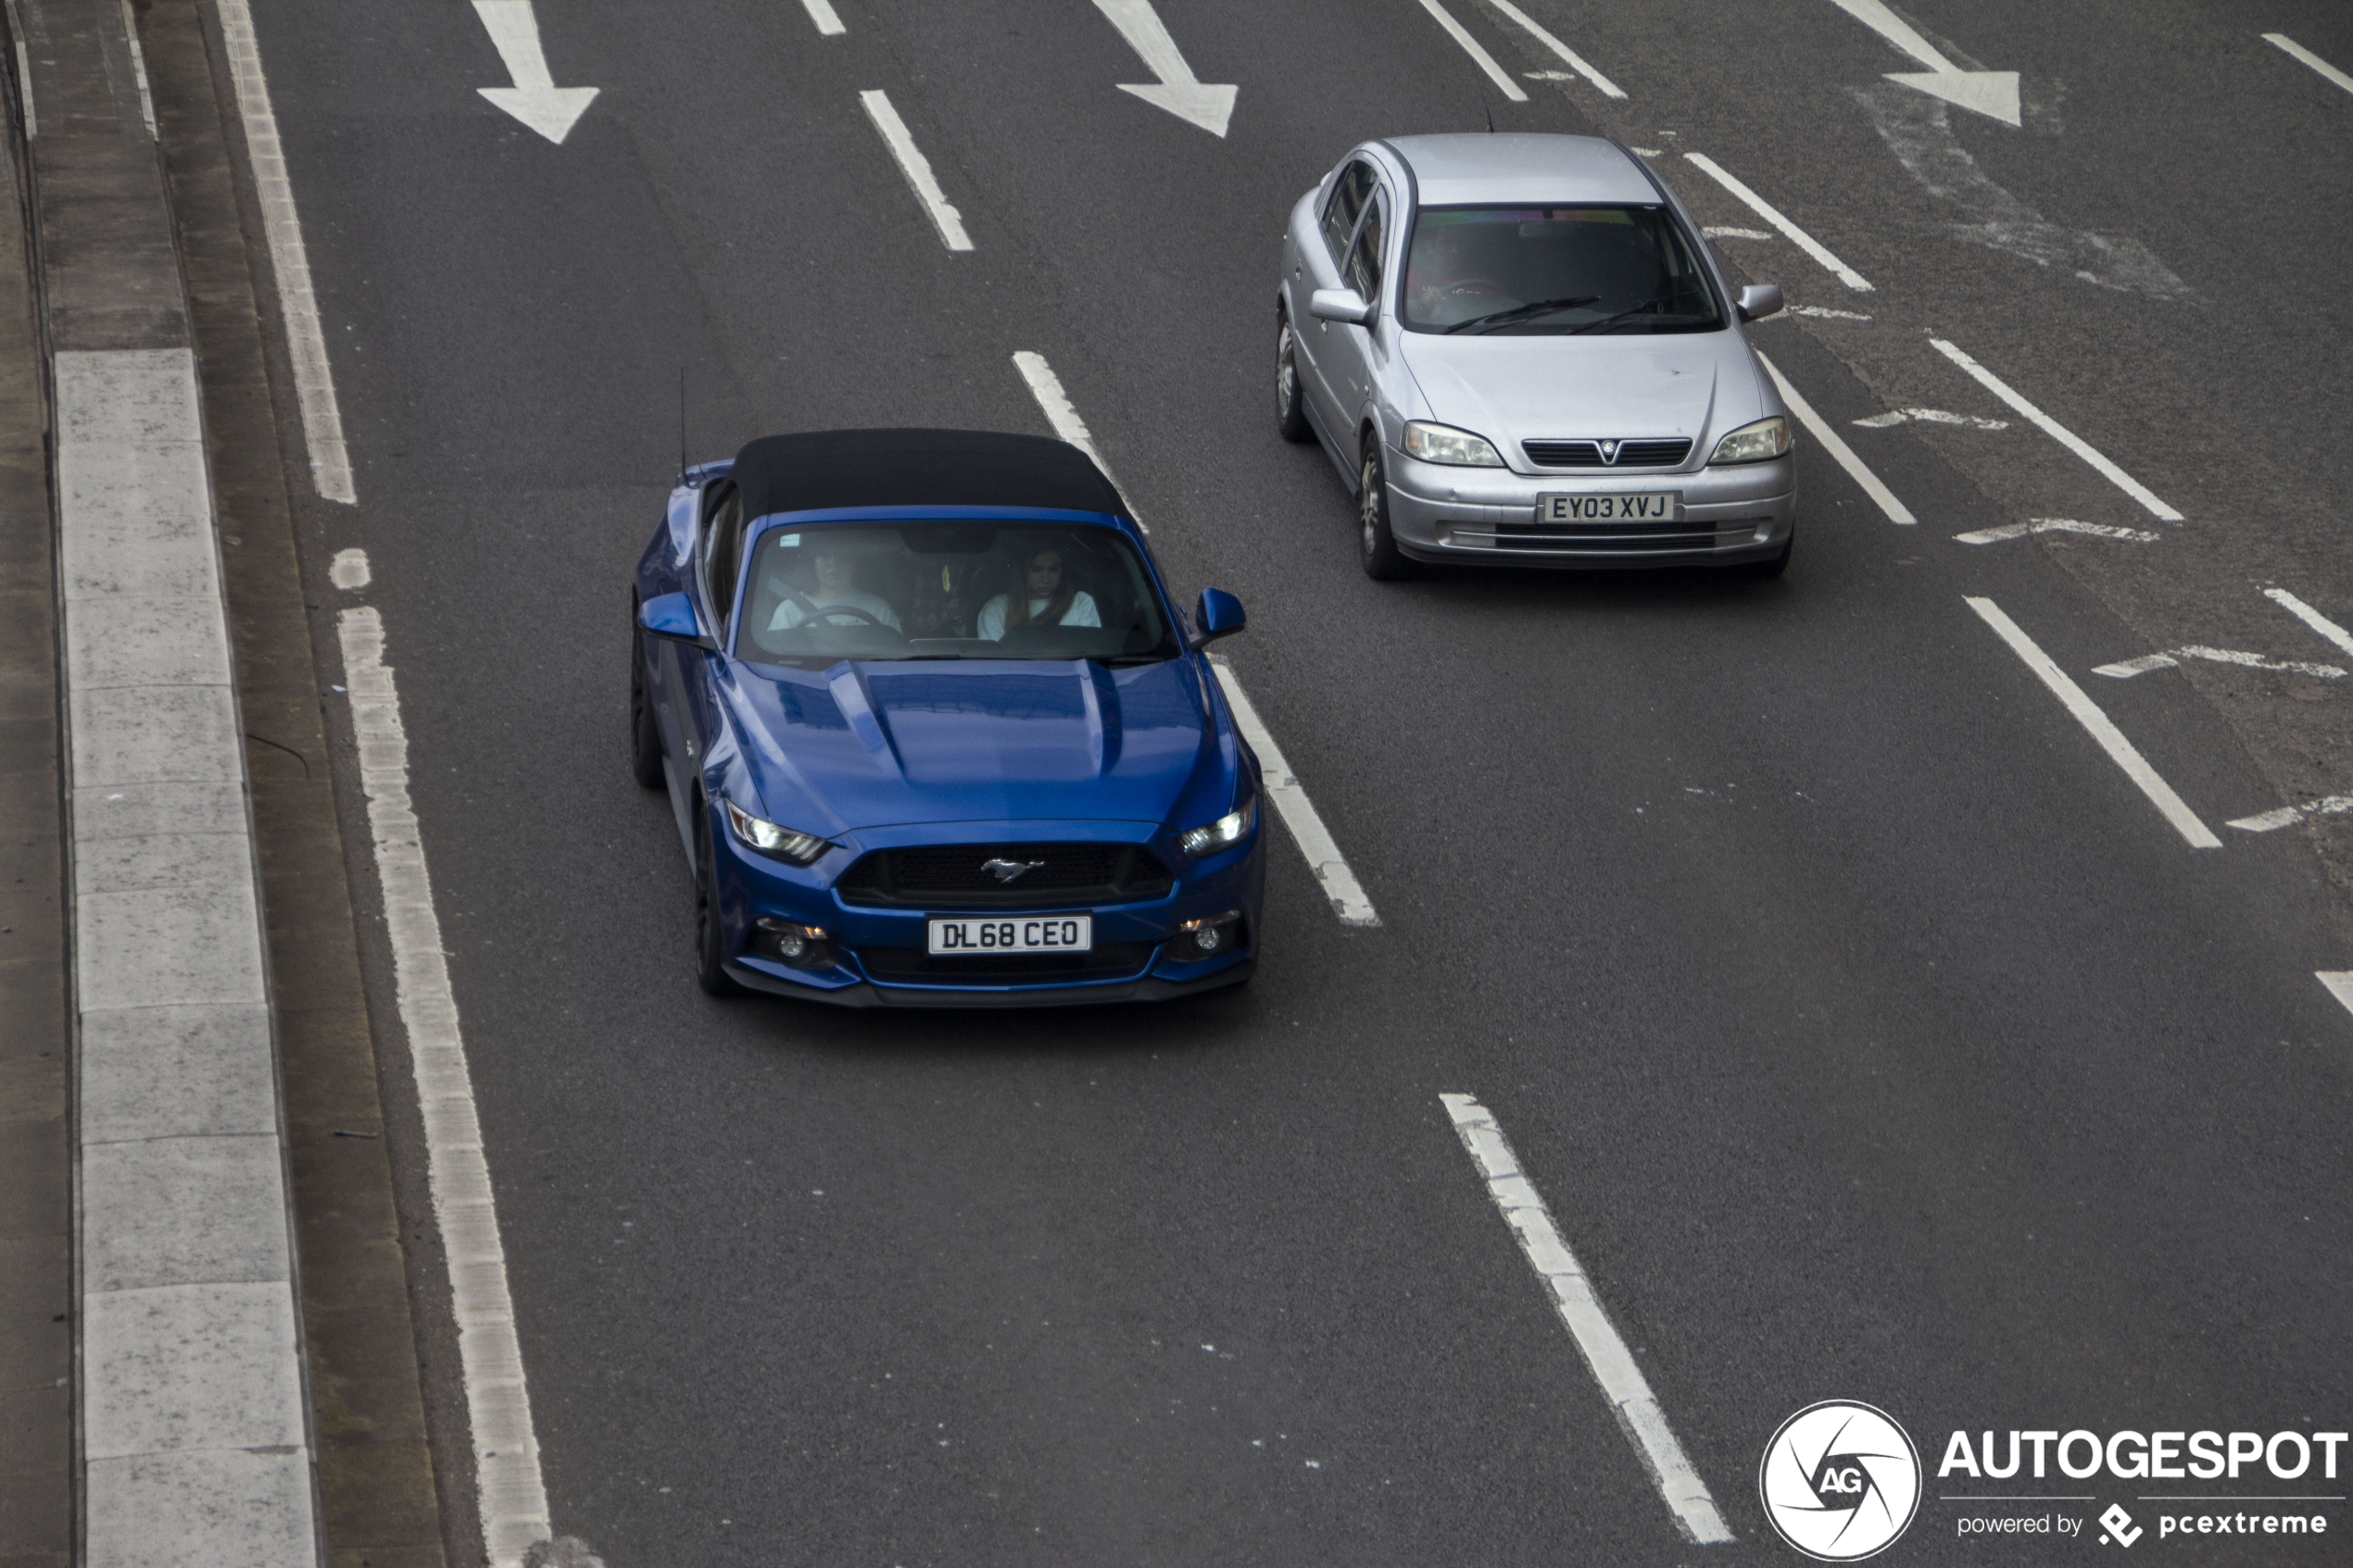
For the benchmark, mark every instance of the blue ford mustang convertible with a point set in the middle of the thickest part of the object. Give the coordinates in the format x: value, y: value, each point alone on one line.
x: 934, y: 732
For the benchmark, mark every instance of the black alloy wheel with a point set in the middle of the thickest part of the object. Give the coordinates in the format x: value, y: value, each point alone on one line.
x: 1291, y: 413
x: 1384, y: 563
x: 710, y: 973
x: 645, y: 735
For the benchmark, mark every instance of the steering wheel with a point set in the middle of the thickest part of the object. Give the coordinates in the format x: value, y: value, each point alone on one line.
x: 1473, y: 285
x: 827, y: 613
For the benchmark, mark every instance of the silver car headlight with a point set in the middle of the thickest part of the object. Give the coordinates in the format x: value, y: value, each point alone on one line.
x: 1755, y: 443
x: 1445, y: 443
x: 785, y: 844
x: 1223, y: 834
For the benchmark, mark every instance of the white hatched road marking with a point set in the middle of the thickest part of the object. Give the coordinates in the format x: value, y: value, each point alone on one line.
x: 306, y: 342
x: 821, y: 13
x: 2282, y: 41
x: 917, y: 169
x: 1771, y: 214
x: 2310, y: 616
x: 1895, y: 417
x: 1299, y: 813
x: 1835, y: 445
x: 2055, y: 525
x: 2059, y: 434
x: 2288, y: 816
x: 1484, y: 60
x: 1613, y: 1364
x: 513, y: 1498
x: 1609, y: 89
x: 2124, y: 670
x: 2087, y: 713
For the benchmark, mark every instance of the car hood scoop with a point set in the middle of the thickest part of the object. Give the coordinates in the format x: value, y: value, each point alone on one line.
x: 882, y: 745
x: 1515, y: 388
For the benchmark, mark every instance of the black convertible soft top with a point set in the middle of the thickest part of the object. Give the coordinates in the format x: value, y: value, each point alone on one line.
x: 821, y: 470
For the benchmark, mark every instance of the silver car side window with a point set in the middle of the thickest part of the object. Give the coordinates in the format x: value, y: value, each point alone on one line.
x: 724, y: 536
x: 1363, y: 270
x: 1347, y: 201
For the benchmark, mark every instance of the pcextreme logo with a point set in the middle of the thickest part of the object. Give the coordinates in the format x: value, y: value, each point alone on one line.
x: 1840, y: 1480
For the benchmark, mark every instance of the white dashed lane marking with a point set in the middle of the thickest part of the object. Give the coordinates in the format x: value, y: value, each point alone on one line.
x: 2282, y: 41
x: 1282, y: 786
x: 1299, y: 813
x: 289, y: 263
x: 1479, y: 57
x: 1568, y: 57
x: 2059, y: 434
x: 1613, y: 1364
x: 513, y: 1496
x: 822, y: 12
x: 2111, y: 740
x: 1771, y: 214
x: 917, y: 169
x: 1835, y: 445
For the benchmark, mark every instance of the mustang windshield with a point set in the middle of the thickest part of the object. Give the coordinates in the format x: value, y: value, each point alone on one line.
x: 951, y: 590
x: 1605, y: 270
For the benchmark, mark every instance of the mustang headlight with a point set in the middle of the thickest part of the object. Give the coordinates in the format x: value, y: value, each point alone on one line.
x: 1755, y: 443
x: 785, y: 844
x: 1223, y: 834
x: 1445, y: 443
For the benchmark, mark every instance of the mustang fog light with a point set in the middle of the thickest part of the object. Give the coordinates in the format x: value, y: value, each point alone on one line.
x: 804, y: 947
x: 1223, y: 834
x: 785, y: 844
x: 1212, y: 934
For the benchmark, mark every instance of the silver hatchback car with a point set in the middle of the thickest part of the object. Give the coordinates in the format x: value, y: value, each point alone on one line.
x: 1517, y: 348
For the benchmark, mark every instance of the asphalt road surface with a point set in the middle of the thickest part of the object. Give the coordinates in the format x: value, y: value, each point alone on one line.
x: 1869, y: 1033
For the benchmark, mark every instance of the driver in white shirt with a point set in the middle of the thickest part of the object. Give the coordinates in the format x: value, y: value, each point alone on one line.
x: 1050, y: 601
x: 836, y: 574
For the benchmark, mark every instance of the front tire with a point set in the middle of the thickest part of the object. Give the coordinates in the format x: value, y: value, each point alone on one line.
x: 711, y: 971
x: 1290, y: 412
x: 1376, y: 547
x: 645, y: 735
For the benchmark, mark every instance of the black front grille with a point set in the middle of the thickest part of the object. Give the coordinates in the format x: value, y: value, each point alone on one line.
x: 1643, y: 538
x: 954, y: 875
x: 1588, y: 454
x: 915, y: 967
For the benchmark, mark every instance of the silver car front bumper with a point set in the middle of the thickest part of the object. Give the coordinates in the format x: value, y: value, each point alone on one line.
x: 1723, y: 515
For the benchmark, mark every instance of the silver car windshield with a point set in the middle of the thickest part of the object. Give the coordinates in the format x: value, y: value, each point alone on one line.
x: 950, y: 590
x: 1557, y: 270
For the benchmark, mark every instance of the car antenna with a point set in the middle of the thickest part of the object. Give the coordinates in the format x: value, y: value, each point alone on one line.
x: 1491, y: 118
x: 682, y: 421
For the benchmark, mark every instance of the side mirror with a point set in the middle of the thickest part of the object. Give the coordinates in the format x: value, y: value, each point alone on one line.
x: 672, y: 616
x: 1340, y: 304
x: 1759, y: 301
x: 1219, y: 614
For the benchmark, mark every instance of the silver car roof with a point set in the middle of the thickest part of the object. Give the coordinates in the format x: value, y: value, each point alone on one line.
x: 1474, y: 168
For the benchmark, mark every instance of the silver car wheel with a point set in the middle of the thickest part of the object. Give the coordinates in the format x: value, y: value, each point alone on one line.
x: 1368, y: 506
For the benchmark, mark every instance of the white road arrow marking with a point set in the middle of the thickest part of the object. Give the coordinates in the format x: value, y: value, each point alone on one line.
x: 535, y: 98
x: 1991, y: 93
x: 1201, y: 103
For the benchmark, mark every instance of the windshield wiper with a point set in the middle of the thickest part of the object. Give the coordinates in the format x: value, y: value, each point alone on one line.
x: 1122, y: 660
x: 1500, y: 318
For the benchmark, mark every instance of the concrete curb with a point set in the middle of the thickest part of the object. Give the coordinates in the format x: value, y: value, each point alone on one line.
x: 192, y: 1411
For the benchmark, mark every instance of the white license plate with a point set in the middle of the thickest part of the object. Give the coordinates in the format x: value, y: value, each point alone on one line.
x: 1605, y: 509
x: 1029, y: 933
